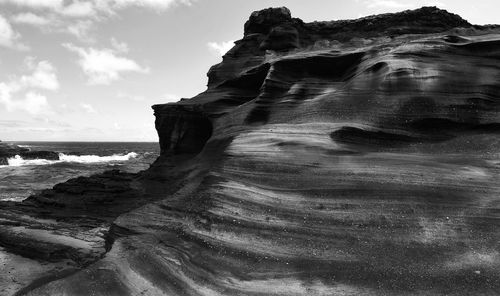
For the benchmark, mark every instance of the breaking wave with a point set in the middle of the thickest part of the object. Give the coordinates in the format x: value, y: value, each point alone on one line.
x: 19, y: 161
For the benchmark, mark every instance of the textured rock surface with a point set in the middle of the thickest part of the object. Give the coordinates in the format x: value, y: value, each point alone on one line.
x: 62, y: 230
x: 336, y: 158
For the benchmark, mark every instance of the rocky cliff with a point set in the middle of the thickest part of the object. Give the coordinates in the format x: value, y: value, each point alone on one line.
x: 353, y: 157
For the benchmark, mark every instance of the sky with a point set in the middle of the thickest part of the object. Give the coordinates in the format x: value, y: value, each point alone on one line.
x: 75, y: 70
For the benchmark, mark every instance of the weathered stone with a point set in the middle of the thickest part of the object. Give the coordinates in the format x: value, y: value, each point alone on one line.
x: 342, y: 158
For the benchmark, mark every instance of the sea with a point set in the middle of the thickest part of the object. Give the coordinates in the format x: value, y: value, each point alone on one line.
x: 22, y: 178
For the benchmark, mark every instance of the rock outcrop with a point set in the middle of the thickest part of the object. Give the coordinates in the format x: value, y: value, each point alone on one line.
x: 182, y: 129
x: 351, y: 157
x: 64, y: 229
x: 8, y: 150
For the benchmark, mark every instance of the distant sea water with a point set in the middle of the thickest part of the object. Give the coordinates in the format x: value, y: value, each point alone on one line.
x: 22, y: 178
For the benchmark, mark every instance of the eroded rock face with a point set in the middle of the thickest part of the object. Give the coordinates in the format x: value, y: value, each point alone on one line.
x: 182, y: 129
x: 334, y: 165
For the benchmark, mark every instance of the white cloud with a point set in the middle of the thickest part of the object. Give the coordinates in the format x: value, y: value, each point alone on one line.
x: 431, y: 3
x: 88, y: 108
x: 80, y: 29
x: 8, y: 37
x: 387, y: 4
x: 30, y: 19
x: 32, y: 103
x: 137, y: 98
x: 119, y: 46
x: 170, y: 98
x: 86, y: 8
x: 35, y: 3
x: 103, y: 66
x: 59, y: 15
x: 220, y: 48
x: 154, y: 4
x: 401, y: 4
x: 42, y: 77
x: 78, y: 9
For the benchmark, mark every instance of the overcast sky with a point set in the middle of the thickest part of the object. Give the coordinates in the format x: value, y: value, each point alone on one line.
x: 90, y: 70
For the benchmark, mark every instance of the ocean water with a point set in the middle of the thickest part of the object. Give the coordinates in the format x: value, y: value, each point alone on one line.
x: 21, y: 178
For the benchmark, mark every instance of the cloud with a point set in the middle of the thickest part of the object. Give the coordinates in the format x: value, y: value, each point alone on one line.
x: 119, y: 46
x: 78, y: 9
x: 59, y: 15
x: 387, y: 4
x: 37, y: 4
x: 93, y: 8
x: 50, y: 22
x: 103, y: 66
x: 170, y: 98
x: 33, y: 103
x: 221, y: 48
x: 88, y: 108
x: 51, y: 122
x: 80, y: 30
x: 8, y: 37
x: 152, y: 4
x: 12, y: 123
x: 43, y: 76
x: 137, y: 98
x: 30, y: 19
x: 401, y: 4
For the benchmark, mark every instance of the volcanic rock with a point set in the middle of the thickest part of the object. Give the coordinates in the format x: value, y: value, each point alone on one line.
x: 8, y: 150
x: 49, y: 155
x: 64, y: 229
x: 354, y: 157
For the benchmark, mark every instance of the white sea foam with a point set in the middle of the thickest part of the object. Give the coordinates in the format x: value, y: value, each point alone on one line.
x: 19, y: 161
x: 95, y: 158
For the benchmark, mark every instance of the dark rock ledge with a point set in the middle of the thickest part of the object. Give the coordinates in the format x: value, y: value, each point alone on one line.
x: 8, y: 150
x: 64, y: 229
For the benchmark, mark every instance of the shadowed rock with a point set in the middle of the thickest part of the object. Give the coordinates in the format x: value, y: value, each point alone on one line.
x: 355, y: 157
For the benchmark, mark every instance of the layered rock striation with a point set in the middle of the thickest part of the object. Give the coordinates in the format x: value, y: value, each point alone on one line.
x: 351, y: 157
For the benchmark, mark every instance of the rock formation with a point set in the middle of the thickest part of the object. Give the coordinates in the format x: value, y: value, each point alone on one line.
x: 351, y: 157
x: 8, y: 150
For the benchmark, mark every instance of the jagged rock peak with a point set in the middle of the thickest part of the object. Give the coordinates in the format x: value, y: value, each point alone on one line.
x: 261, y: 21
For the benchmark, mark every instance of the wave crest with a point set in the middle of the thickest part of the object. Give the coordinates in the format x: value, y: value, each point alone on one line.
x: 19, y: 161
x: 95, y: 158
